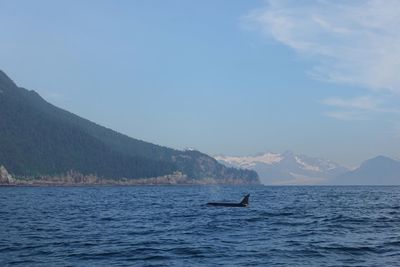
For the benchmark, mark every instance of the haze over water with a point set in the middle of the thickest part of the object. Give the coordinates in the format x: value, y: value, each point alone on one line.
x: 170, y: 225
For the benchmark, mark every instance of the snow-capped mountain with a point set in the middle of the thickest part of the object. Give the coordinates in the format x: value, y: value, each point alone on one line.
x: 286, y: 168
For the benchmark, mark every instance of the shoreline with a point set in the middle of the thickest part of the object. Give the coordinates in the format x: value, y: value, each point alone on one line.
x: 122, y: 185
x: 77, y: 179
x: 160, y: 181
x: 117, y: 183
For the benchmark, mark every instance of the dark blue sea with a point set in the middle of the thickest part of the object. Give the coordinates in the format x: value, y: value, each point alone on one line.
x: 171, y: 226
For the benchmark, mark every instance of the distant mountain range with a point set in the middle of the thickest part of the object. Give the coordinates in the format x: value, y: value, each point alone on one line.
x: 286, y: 168
x: 38, y: 139
x: 295, y: 169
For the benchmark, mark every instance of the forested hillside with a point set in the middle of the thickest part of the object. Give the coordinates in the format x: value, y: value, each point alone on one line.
x: 37, y: 138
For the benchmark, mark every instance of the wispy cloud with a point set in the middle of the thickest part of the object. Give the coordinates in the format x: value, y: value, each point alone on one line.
x: 354, y: 42
x: 358, y: 108
x: 347, y: 115
x: 351, y: 42
x: 361, y: 103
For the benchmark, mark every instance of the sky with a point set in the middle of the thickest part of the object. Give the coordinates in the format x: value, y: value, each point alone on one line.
x: 224, y: 77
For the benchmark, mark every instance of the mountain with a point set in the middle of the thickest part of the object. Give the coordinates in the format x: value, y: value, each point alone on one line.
x: 286, y: 168
x: 380, y: 170
x: 37, y: 139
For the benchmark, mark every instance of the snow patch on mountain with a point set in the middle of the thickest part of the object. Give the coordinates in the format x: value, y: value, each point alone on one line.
x: 286, y: 168
x: 307, y: 166
x: 250, y: 161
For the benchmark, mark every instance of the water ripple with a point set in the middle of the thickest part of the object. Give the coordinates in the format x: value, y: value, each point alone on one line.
x: 171, y: 226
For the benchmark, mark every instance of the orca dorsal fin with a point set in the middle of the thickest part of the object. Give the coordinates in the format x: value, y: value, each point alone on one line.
x: 245, y: 200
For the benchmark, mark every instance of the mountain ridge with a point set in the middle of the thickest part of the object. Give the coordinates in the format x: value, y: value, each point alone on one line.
x: 281, y: 169
x: 38, y: 138
x: 380, y: 170
x: 287, y: 167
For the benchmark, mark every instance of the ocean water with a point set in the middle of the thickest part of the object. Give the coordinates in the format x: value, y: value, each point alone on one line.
x: 171, y: 226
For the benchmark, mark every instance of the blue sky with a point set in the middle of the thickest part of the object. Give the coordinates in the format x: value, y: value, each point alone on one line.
x: 225, y: 77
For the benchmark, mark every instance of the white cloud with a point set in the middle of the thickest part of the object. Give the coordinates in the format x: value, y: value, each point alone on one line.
x: 358, y: 108
x: 344, y: 115
x: 361, y: 103
x: 353, y: 42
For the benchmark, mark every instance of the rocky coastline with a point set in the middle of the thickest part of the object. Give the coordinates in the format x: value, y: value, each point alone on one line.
x: 74, y: 178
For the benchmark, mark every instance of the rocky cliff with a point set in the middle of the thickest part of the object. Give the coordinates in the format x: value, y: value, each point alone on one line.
x: 5, y: 177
